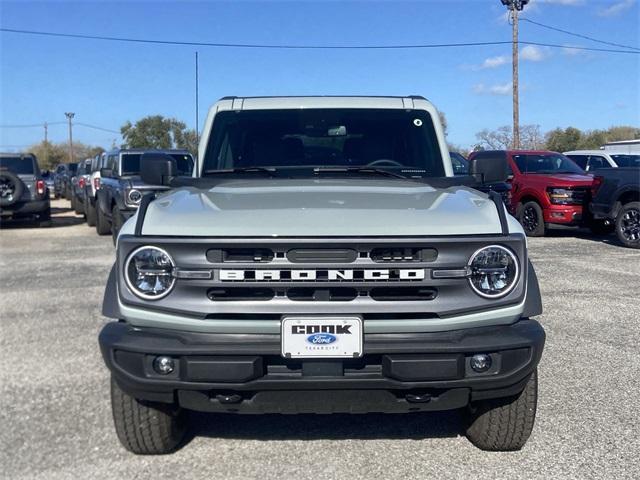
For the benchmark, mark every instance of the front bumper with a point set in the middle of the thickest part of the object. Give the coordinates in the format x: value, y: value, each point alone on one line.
x: 245, y: 373
x: 563, y: 214
x: 26, y: 208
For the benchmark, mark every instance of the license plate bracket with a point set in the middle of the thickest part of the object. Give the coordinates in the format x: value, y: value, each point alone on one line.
x: 321, y: 337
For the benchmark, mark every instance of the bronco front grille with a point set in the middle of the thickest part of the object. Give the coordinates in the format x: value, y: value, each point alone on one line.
x: 271, y: 277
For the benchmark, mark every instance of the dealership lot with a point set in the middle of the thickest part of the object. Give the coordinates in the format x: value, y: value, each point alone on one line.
x: 56, y: 418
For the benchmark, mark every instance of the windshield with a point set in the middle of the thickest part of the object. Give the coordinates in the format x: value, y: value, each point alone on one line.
x: 131, y: 163
x: 73, y: 167
x: 626, y: 160
x: 17, y: 165
x: 403, y: 141
x: 546, y: 163
x: 459, y: 164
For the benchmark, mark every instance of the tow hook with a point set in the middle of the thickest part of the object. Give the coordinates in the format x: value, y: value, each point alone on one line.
x: 226, y: 399
x: 416, y: 398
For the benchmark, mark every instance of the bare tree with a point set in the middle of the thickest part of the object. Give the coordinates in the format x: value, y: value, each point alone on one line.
x: 502, y: 138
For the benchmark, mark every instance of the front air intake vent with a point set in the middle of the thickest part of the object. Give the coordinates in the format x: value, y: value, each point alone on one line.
x: 395, y: 294
x: 324, y: 255
x: 238, y: 294
x: 245, y: 255
x: 390, y: 254
x: 322, y: 294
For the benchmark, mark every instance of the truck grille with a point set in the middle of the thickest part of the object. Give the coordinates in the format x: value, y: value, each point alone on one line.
x: 272, y: 277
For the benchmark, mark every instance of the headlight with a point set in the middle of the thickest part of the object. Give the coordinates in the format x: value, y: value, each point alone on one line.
x: 564, y: 196
x: 134, y: 196
x: 494, y: 271
x: 148, y: 272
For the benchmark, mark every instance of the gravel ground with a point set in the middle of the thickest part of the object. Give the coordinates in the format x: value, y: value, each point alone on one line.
x: 56, y: 418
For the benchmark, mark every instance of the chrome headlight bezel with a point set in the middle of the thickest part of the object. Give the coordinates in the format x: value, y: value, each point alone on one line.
x: 509, y: 288
x: 130, y: 284
x: 133, y: 196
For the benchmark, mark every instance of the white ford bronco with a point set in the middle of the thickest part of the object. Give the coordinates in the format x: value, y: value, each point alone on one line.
x: 322, y: 258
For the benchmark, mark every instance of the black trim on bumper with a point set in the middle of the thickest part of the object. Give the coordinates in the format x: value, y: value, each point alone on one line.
x: 23, y: 208
x: 398, y: 372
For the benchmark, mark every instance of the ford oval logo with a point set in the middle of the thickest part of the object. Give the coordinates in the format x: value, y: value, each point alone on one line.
x: 321, y: 338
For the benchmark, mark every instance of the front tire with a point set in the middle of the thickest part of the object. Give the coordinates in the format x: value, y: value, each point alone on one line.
x: 146, y: 428
x: 90, y: 212
x: 102, y: 224
x: 531, y: 218
x: 628, y: 225
x: 504, y: 424
x: 116, y: 222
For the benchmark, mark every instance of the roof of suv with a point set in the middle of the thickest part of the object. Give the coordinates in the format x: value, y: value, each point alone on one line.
x: 596, y: 152
x: 142, y: 150
x: 519, y: 152
x: 267, y: 103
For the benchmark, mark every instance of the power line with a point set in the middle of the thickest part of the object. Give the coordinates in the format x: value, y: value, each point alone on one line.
x: 33, y: 125
x: 40, y: 125
x: 248, y: 45
x: 573, y: 47
x: 96, y: 128
x: 586, y: 37
x: 305, y: 47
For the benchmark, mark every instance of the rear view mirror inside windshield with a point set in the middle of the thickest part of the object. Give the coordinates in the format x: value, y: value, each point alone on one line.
x: 339, y: 131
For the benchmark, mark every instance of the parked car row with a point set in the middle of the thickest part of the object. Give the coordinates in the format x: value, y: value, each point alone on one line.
x: 550, y: 188
x: 595, y: 189
x: 107, y: 189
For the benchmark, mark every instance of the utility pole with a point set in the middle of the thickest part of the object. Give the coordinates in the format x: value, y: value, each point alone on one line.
x: 514, y: 7
x: 70, y: 116
x: 46, y: 143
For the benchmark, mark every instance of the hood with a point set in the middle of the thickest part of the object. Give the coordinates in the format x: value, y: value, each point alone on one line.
x: 565, y: 179
x: 321, y: 207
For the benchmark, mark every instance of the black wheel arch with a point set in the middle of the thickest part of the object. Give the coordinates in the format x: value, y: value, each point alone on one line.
x: 533, y: 299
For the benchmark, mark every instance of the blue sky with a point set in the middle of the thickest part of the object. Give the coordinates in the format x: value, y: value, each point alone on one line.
x: 108, y: 83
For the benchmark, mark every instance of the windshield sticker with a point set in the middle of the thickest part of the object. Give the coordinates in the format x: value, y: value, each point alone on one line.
x: 417, y: 122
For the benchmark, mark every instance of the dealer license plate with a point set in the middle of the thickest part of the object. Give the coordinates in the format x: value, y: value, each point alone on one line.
x: 321, y: 337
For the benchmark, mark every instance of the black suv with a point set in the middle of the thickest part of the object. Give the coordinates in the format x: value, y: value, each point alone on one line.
x: 78, y: 182
x: 23, y: 191
x: 62, y: 180
x: 121, y: 188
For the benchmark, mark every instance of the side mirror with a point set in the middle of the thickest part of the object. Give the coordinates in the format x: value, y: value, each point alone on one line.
x: 489, y: 170
x: 106, y: 172
x: 157, y: 168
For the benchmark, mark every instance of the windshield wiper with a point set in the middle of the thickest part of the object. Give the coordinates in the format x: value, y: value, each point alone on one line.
x: 268, y: 170
x: 376, y: 171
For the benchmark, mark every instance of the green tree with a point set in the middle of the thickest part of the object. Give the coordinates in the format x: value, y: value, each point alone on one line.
x: 51, y: 154
x: 592, y: 140
x: 559, y: 140
x: 156, y: 131
x: 615, y: 134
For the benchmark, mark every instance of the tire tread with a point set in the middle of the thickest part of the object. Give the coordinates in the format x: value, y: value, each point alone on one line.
x: 505, y: 424
x: 144, y: 428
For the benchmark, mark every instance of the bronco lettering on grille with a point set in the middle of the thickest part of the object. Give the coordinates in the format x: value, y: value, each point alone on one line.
x: 323, y: 275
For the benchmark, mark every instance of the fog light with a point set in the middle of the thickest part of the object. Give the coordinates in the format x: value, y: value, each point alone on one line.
x: 164, y: 365
x: 481, y: 362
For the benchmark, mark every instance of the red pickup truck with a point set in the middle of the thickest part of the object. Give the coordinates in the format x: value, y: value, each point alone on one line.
x: 546, y: 188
